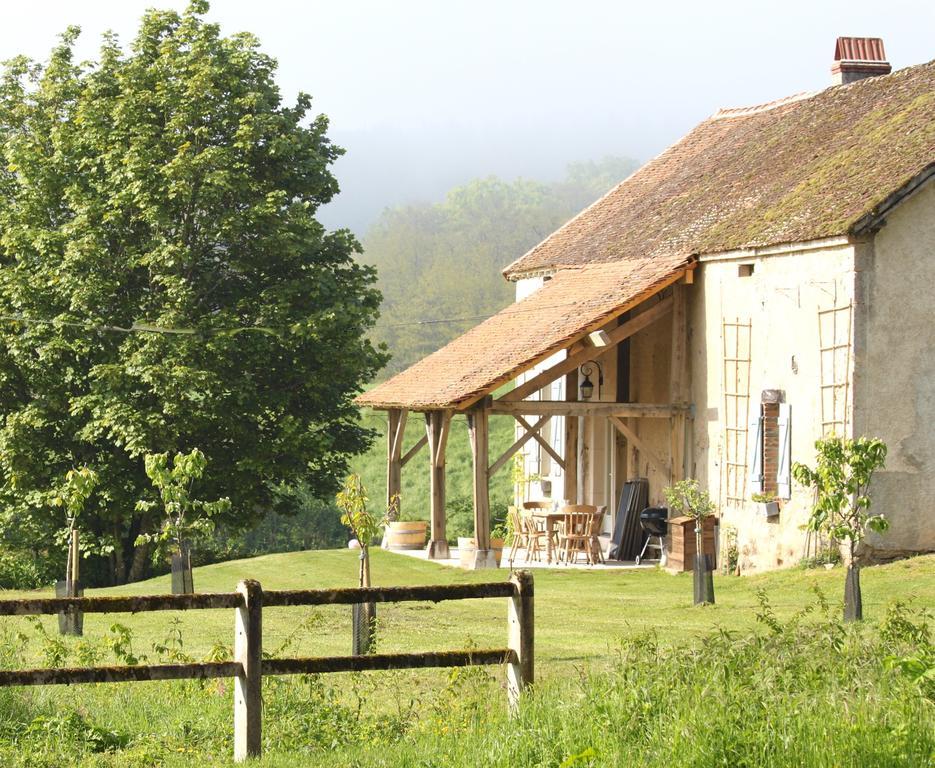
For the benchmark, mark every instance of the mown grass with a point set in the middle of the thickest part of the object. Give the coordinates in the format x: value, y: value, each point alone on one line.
x: 629, y: 673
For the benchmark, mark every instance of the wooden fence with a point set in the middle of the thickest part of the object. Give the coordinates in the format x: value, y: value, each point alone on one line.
x: 248, y: 666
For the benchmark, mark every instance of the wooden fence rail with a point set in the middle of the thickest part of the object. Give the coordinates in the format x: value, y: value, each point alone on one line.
x: 248, y: 666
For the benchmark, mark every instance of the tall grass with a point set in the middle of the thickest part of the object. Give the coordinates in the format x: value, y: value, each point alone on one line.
x: 807, y: 691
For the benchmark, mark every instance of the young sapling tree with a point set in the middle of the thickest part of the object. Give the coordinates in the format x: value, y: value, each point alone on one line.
x: 184, y: 518
x: 688, y: 497
x: 841, y: 480
x: 366, y: 526
x: 73, y: 495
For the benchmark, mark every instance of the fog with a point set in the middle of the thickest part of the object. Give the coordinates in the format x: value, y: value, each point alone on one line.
x: 426, y: 95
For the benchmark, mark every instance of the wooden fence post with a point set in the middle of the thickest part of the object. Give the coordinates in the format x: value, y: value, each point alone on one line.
x: 521, y: 639
x: 248, y: 685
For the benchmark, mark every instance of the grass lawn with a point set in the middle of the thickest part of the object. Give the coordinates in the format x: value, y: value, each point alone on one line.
x: 579, y: 614
x: 583, y: 619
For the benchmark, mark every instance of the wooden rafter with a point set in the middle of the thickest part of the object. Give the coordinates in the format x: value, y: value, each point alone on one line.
x: 397, y: 432
x: 438, y: 458
x: 585, y: 408
x: 509, y: 452
x: 420, y: 444
x: 633, y: 438
x: 587, y: 354
x: 541, y: 440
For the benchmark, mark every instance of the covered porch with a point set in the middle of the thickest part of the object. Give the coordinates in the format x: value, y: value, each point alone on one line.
x: 560, y: 339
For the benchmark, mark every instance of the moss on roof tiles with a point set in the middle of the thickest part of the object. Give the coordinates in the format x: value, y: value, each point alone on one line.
x: 801, y: 170
x: 572, y: 304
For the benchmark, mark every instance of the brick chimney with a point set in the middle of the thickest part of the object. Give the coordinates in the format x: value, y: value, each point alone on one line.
x: 858, y: 57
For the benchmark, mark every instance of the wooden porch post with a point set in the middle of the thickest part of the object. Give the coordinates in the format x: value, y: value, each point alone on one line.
x: 477, y: 419
x: 571, y: 441
x: 436, y: 429
x: 678, y: 382
x: 395, y: 428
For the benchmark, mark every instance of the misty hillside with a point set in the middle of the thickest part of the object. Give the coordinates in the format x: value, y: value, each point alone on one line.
x: 440, y: 264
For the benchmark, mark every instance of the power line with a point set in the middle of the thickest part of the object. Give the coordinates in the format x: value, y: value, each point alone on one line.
x: 138, y: 327
x: 271, y: 330
x: 514, y: 309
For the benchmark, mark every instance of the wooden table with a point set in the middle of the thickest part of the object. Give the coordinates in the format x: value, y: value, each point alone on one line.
x: 549, y: 519
x: 550, y: 522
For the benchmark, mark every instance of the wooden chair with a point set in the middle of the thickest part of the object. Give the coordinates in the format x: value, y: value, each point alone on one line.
x: 535, y: 538
x: 597, y: 522
x: 520, y: 537
x: 575, y: 537
x: 531, y: 506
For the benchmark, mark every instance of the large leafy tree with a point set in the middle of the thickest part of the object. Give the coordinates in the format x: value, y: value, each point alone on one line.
x: 167, y: 188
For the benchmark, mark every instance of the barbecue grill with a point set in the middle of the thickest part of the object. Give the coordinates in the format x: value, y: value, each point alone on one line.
x: 654, y: 520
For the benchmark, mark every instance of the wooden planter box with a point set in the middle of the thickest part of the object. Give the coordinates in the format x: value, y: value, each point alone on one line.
x: 406, y: 534
x: 680, y: 543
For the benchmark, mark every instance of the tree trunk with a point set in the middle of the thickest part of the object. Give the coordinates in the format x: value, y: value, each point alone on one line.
x: 140, y: 562
x: 853, y: 602
x: 365, y: 566
x: 118, y: 568
x: 69, y: 577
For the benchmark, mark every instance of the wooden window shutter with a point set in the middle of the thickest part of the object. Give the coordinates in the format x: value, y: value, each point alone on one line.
x: 784, y: 475
x: 755, y: 462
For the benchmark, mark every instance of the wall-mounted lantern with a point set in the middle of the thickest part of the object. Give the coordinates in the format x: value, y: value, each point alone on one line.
x: 587, y: 386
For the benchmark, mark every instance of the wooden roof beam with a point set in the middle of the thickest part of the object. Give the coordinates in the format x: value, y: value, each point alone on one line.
x: 588, y: 354
x: 585, y: 408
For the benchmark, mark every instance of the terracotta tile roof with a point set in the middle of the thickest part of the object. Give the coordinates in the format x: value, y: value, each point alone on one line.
x: 800, y: 169
x: 573, y: 303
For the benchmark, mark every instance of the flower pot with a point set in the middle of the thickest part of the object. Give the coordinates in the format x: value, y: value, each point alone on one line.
x: 466, y: 549
x: 767, y: 508
x: 406, y: 534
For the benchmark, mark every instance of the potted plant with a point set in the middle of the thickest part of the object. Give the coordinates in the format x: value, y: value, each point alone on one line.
x: 767, y: 505
x: 498, y: 536
x: 687, y: 496
x: 841, y: 479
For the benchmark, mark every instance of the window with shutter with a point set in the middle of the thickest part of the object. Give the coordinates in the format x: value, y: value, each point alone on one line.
x: 756, y: 454
x: 784, y: 475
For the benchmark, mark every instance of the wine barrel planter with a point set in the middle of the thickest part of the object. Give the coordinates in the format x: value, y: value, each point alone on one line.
x: 406, y: 534
x: 466, y: 549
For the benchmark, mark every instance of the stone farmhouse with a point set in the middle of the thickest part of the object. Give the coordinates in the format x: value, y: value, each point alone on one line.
x: 758, y: 285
